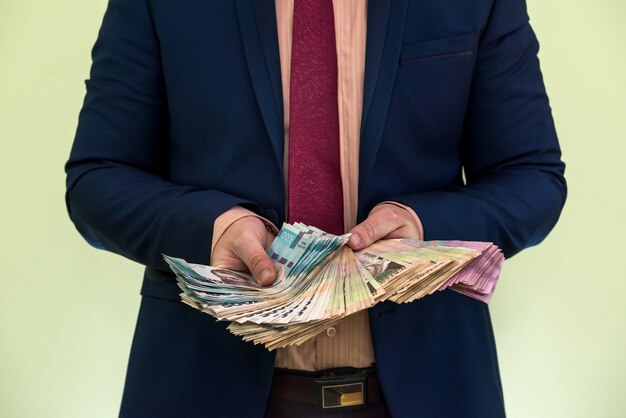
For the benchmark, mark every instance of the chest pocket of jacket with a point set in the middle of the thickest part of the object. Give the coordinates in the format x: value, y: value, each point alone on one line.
x: 438, y: 49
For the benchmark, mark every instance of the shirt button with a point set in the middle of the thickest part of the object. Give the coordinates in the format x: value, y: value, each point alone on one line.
x: 331, y: 332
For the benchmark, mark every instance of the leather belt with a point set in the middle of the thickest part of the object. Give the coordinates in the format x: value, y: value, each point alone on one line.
x: 334, y: 389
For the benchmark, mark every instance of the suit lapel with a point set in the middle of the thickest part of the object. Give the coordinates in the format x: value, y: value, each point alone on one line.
x: 385, y: 32
x: 257, y: 23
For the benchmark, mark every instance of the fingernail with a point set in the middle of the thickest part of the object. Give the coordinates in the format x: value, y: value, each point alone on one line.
x: 355, y: 240
x: 266, y: 276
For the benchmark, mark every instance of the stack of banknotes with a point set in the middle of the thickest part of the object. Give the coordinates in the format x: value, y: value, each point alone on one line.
x: 321, y: 281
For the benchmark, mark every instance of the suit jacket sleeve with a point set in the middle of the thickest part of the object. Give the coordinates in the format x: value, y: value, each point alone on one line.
x: 514, y: 189
x: 118, y: 192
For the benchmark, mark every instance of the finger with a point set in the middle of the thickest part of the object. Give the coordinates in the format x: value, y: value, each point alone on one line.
x: 252, y: 253
x: 378, y: 225
x: 406, y: 231
x: 227, y: 260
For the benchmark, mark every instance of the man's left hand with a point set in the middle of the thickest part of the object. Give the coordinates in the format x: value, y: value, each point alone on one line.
x: 385, y: 221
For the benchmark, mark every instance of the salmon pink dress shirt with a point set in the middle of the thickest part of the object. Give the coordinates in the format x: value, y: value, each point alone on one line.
x: 348, y: 343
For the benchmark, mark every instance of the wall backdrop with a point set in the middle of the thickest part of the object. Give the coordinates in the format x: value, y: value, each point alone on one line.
x: 67, y: 311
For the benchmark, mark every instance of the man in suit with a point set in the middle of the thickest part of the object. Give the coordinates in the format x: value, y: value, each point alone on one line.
x: 184, y: 125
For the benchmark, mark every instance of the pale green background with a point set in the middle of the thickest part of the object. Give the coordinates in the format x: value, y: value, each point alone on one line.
x: 67, y: 311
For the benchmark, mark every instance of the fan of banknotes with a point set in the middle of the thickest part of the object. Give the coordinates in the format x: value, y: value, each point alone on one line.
x: 321, y: 281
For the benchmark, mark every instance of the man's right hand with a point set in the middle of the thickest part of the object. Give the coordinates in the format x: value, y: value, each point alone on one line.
x: 243, y: 247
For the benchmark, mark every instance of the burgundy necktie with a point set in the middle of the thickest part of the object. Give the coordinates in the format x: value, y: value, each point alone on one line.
x: 315, y: 189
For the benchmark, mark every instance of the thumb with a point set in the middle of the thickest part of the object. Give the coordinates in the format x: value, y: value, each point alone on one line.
x: 258, y: 262
x: 369, y: 231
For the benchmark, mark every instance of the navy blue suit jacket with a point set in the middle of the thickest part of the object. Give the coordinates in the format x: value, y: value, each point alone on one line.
x: 182, y: 120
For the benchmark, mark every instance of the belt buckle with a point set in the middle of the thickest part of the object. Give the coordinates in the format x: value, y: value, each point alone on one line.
x: 345, y: 393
